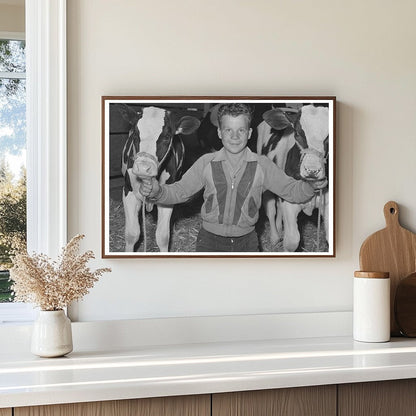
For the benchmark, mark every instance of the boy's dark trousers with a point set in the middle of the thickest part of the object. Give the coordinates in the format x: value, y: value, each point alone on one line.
x: 209, y: 242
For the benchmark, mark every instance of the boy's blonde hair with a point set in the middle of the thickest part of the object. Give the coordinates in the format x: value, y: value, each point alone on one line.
x: 234, y: 110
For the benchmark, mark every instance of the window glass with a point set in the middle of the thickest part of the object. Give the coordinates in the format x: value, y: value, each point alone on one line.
x: 12, y: 156
x: 12, y: 55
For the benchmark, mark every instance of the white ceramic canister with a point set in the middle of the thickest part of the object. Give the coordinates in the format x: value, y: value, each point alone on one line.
x: 371, y: 309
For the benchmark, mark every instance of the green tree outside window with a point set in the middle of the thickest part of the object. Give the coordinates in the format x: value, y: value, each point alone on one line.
x: 12, y: 147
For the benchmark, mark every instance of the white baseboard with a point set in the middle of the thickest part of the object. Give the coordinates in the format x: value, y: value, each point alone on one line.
x: 113, y: 335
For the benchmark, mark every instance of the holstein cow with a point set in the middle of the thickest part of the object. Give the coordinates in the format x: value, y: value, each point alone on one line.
x: 297, y: 141
x: 153, y: 148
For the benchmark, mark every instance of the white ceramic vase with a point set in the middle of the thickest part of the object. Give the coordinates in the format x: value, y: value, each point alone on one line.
x: 52, y: 334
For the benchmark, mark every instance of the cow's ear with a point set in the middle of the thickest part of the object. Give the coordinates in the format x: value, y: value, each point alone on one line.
x: 277, y: 119
x: 187, y: 125
x: 129, y: 114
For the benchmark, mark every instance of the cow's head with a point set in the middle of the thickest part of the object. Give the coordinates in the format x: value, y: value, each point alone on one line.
x: 150, y: 137
x: 310, y: 128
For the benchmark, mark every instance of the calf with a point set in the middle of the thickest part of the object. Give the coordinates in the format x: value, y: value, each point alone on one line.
x: 297, y: 141
x: 153, y: 148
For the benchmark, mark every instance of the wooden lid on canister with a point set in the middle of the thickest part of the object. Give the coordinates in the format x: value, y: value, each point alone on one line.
x: 372, y: 275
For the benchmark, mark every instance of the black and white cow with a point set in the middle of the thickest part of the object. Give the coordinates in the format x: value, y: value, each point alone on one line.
x: 153, y: 148
x: 297, y: 141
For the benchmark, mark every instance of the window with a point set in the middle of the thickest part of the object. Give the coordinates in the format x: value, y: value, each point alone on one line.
x: 46, y: 135
x: 12, y: 154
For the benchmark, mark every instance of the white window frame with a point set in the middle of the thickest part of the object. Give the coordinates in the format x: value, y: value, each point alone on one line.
x: 46, y: 165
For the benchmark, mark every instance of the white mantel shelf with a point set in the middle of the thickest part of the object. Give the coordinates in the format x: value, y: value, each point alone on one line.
x: 166, y: 370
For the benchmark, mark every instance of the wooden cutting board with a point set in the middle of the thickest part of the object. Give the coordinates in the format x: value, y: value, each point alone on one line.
x: 393, y: 250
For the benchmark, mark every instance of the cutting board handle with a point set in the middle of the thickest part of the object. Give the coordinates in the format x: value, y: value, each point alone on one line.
x: 391, y: 214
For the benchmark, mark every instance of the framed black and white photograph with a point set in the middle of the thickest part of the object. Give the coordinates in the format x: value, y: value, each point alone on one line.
x: 218, y: 177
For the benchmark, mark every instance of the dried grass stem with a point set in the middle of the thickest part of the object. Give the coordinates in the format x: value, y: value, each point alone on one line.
x: 53, y: 285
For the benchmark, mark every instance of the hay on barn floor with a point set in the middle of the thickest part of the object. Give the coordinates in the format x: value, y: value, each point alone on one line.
x: 116, y: 219
x: 186, y: 223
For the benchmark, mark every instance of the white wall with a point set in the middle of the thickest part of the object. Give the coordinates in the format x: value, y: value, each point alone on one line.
x: 363, y: 52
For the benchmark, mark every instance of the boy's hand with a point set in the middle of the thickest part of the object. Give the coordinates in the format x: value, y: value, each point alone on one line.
x: 150, y: 187
x: 321, y: 184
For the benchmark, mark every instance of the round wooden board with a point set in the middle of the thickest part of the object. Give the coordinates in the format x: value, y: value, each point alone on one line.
x: 405, y: 305
x: 393, y: 250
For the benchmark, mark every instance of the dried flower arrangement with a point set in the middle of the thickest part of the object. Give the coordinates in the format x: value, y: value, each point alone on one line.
x: 53, y: 285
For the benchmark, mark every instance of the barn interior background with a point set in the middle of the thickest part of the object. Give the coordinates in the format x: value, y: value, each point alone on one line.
x: 361, y: 52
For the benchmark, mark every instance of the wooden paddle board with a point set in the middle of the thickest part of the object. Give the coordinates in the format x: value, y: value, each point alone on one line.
x: 393, y: 250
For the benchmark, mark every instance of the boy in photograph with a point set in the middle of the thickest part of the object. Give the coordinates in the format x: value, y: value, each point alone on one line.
x: 234, y: 179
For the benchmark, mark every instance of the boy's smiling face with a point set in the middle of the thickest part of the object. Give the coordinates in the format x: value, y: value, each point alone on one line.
x: 234, y: 133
